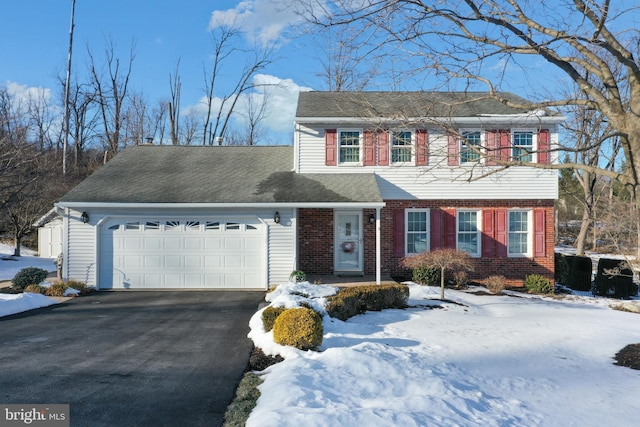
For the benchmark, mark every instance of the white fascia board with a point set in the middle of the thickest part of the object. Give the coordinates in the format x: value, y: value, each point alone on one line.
x: 484, y: 119
x: 99, y: 205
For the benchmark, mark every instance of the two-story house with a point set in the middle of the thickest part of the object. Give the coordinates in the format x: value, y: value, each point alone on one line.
x: 372, y: 177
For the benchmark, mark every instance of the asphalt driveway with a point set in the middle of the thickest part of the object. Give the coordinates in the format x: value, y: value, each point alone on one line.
x: 165, y: 358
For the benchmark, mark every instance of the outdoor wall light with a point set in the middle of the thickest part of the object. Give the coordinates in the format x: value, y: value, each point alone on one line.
x: 84, y: 217
x: 276, y: 218
x: 372, y: 218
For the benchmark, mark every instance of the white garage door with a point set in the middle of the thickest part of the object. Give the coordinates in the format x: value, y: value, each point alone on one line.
x: 183, y: 253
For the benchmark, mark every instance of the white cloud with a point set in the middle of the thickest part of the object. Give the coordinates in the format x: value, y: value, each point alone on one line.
x: 281, y: 96
x: 22, y: 95
x: 263, y: 21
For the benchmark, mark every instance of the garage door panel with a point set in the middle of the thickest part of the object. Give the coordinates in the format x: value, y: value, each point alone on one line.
x: 152, y: 261
x: 186, y: 254
x: 193, y: 262
x: 213, y: 243
x: 173, y: 261
x: 151, y: 243
x: 172, y: 243
x: 193, y: 243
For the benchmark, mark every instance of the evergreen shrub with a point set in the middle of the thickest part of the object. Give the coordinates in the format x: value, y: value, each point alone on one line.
x: 28, y: 276
x: 300, y: 328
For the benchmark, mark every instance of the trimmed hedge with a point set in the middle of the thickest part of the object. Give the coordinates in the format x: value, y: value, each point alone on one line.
x: 269, y: 316
x: 300, y: 328
x: 349, y: 302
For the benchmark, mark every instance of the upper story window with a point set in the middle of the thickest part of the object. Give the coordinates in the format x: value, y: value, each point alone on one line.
x: 401, y: 146
x: 349, y: 146
x: 417, y: 231
x: 519, y: 240
x: 468, y: 232
x: 522, y: 145
x: 470, y: 145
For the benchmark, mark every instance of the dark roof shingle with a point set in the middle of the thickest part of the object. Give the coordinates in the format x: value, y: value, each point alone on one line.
x: 405, y: 104
x: 184, y: 174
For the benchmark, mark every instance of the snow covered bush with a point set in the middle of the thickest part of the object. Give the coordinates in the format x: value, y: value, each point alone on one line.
x: 28, y: 276
x: 537, y: 284
x: 300, y: 328
x: 269, y: 316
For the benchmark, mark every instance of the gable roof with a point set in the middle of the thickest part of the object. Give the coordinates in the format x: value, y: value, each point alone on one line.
x: 316, y: 104
x: 216, y: 175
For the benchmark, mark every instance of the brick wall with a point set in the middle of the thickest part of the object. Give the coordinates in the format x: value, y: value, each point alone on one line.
x: 315, y: 233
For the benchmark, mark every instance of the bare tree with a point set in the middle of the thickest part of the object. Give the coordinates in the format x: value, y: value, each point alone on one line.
x: 174, y: 105
x: 111, y: 94
x: 591, y: 43
x: 220, y: 106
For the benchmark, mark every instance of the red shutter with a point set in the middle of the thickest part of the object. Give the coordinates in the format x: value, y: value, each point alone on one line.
x: 369, y: 148
x: 505, y: 145
x: 543, y: 147
x: 398, y: 233
x: 492, y: 146
x: 488, y: 230
x: 539, y: 231
x: 450, y: 228
x: 383, y: 148
x: 331, y: 147
x: 437, y: 232
x: 453, y: 149
x: 501, y: 232
x: 422, y: 147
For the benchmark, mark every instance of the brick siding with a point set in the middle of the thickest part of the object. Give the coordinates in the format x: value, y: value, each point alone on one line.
x: 315, y: 240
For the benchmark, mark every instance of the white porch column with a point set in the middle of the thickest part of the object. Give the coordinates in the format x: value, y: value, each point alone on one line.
x: 378, y: 246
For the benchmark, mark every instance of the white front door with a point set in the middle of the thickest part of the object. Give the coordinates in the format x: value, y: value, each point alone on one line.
x: 348, y: 242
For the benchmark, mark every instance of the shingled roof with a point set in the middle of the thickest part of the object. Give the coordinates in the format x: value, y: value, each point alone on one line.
x: 405, y: 104
x: 185, y: 174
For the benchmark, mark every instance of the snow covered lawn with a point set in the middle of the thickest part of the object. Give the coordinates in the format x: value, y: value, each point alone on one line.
x: 490, y: 361
x: 9, y: 266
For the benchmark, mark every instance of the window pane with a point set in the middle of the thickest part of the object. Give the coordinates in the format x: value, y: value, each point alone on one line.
x: 518, y: 232
x: 416, y: 243
x: 468, y: 143
x: 467, y: 221
x: 349, y: 147
x: 523, y: 146
x: 417, y: 221
x: 468, y: 242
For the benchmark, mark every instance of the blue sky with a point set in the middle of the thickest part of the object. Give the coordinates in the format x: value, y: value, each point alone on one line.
x: 34, y: 40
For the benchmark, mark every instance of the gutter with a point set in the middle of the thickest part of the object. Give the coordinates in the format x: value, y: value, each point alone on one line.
x: 119, y: 205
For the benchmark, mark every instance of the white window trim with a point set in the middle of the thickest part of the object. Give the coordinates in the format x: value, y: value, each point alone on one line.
x: 413, y: 147
x: 478, y: 231
x: 529, y: 253
x: 406, y: 229
x: 534, y: 142
x: 360, y: 146
x: 483, y: 141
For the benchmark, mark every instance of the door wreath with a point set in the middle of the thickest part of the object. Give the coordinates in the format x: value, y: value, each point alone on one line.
x: 348, y: 247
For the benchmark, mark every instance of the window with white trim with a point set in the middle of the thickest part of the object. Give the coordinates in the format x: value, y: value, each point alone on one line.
x: 401, y: 146
x: 470, y: 145
x: 519, y: 239
x: 416, y: 231
x: 522, y: 143
x: 468, y: 232
x: 349, y: 146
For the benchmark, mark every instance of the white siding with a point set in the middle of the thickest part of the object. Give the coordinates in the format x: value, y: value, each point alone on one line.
x: 437, y: 180
x: 281, y: 247
x: 81, y: 249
